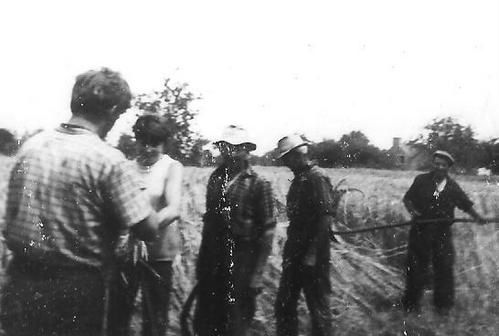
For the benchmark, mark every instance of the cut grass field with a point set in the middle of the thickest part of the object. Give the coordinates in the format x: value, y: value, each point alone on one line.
x: 366, y: 270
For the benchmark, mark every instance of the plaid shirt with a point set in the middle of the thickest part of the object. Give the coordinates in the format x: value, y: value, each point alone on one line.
x: 247, y: 202
x: 69, y: 195
x: 240, y: 210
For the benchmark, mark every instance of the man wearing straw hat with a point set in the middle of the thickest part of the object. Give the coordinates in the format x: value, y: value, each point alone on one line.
x: 433, y: 195
x: 70, y: 197
x: 237, y: 239
x: 310, y: 208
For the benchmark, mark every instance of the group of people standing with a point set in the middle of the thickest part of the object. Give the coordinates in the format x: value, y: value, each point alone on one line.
x: 88, y: 228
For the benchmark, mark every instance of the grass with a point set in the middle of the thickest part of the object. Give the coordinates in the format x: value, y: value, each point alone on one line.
x: 366, y: 270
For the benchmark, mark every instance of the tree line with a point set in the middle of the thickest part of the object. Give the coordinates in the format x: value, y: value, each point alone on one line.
x: 354, y: 149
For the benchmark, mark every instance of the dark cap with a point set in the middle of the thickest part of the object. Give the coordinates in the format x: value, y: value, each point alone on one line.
x: 444, y: 155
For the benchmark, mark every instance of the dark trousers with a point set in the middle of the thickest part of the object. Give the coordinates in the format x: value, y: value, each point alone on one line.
x: 430, y: 243
x: 55, y: 301
x: 226, y: 302
x: 316, y: 286
x: 123, y: 287
x: 219, y: 314
x: 156, y: 289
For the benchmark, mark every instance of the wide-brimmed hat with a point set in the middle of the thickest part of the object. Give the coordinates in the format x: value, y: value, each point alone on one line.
x: 288, y: 143
x: 444, y: 155
x: 236, y: 135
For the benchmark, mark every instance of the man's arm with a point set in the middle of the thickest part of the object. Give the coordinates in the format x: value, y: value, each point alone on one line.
x: 409, y: 196
x: 324, y: 205
x: 464, y: 203
x: 147, y: 228
x: 479, y: 219
x: 411, y: 208
x: 129, y: 202
x: 319, y: 239
x: 266, y: 215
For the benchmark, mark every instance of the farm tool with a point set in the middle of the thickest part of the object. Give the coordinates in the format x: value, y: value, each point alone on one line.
x: 411, y: 222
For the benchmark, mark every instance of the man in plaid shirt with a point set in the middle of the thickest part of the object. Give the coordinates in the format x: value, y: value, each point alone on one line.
x: 237, y: 238
x: 70, y: 197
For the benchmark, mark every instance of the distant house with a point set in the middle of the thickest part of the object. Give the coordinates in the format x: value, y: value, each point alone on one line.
x: 405, y: 156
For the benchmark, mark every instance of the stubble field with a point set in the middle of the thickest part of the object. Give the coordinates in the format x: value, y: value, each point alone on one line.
x: 367, y: 271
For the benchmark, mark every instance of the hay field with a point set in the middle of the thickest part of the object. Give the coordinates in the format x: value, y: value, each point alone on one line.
x: 367, y: 270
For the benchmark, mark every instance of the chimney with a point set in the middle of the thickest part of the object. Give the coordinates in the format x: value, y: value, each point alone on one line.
x: 396, y: 142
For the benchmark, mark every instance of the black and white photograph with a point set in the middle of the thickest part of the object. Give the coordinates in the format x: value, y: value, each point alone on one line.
x: 249, y: 168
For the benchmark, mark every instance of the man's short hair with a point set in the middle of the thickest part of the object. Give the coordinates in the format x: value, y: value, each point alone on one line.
x: 95, y: 92
x: 151, y: 129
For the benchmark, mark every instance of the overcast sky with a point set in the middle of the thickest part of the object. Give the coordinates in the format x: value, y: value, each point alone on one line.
x: 322, y: 68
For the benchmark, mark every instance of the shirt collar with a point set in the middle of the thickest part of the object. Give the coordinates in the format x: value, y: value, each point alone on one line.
x: 73, y: 129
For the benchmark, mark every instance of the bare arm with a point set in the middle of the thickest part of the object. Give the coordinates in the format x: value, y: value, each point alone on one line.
x: 266, y: 216
x: 173, y: 196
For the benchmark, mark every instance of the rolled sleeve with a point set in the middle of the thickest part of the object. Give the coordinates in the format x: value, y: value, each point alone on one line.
x: 127, y: 195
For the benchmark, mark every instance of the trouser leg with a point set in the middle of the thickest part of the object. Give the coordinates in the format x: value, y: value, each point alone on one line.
x: 317, y: 293
x: 156, y: 298
x: 443, y: 261
x: 52, y: 302
x: 244, y: 311
x: 212, y: 308
x: 287, y: 301
x: 123, y: 290
x: 418, y: 257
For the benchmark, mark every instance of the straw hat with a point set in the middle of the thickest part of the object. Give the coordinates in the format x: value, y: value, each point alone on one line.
x: 236, y: 135
x: 444, y: 155
x: 288, y: 143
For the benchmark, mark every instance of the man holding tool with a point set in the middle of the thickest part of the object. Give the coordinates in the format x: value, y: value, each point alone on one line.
x: 433, y: 195
x: 310, y: 207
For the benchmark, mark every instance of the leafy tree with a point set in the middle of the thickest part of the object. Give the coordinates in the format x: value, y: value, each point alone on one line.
x: 447, y: 134
x: 174, y: 104
x: 327, y: 153
x: 358, y: 152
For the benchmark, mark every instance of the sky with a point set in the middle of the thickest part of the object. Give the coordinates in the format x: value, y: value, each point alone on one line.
x: 321, y: 68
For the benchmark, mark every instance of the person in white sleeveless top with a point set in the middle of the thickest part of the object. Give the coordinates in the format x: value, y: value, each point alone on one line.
x: 163, y: 178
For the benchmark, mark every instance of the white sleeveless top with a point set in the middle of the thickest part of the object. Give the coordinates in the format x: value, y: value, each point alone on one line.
x: 168, y: 242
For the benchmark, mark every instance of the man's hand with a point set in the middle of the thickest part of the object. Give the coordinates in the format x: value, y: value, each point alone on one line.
x: 411, y: 208
x: 476, y: 216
